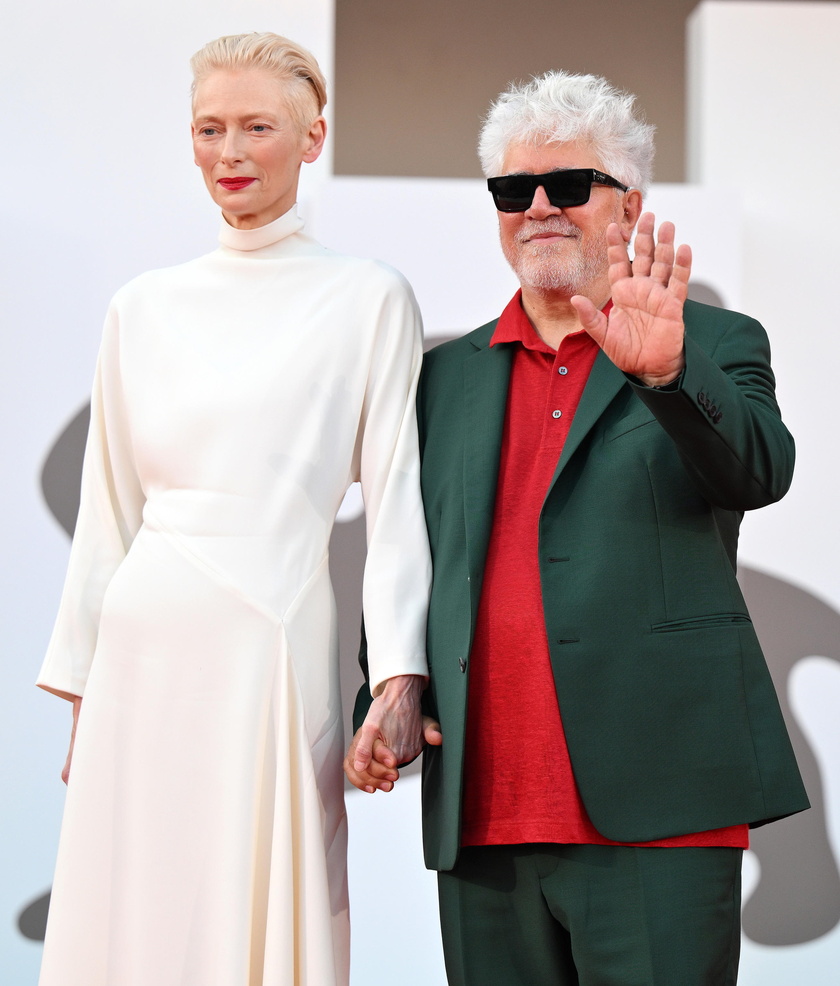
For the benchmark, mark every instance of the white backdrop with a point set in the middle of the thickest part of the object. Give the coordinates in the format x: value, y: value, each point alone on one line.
x: 100, y: 186
x: 764, y: 100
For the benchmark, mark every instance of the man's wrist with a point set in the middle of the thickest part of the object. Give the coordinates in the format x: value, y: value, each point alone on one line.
x: 666, y: 382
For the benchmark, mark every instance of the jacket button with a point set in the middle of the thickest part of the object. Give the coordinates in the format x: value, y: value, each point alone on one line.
x: 463, y: 664
x: 717, y: 417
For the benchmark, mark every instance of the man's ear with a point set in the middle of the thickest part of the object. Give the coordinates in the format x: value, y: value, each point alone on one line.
x: 632, y: 206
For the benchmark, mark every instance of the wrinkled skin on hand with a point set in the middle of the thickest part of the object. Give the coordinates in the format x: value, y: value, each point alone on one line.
x: 394, y: 732
x: 644, y: 332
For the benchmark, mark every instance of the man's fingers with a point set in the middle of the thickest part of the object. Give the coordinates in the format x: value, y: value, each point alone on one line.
x: 663, y: 254
x: 431, y: 731
x: 383, y: 755
x: 619, y: 262
x: 591, y: 319
x: 376, y: 778
x: 376, y: 770
x: 681, y: 272
x: 655, y: 256
x: 368, y: 747
x: 362, y: 754
x: 360, y: 780
x: 379, y: 772
x: 363, y: 746
x: 643, y: 245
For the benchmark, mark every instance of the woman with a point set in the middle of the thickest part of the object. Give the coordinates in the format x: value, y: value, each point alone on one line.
x: 236, y: 398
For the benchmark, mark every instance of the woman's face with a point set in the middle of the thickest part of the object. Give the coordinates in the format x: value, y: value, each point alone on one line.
x: 248, y: 146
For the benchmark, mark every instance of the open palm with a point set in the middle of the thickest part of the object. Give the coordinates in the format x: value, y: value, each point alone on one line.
x: 643, y: 334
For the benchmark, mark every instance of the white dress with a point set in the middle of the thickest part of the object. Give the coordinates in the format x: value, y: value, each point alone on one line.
x: 236, y: 398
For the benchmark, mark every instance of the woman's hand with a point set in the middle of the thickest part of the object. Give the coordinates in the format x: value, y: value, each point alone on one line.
x: 65, y: 773
x: 378, y: 775
x: 394, y: 732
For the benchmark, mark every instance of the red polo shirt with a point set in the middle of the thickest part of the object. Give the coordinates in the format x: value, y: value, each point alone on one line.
x: 519, y: 786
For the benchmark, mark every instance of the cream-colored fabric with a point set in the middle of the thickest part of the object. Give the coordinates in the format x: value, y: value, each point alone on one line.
x: 236, y: 398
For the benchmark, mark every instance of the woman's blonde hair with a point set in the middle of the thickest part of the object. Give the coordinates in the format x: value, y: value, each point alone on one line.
x: 288, y: 62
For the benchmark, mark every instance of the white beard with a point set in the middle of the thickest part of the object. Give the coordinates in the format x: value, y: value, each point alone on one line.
x: 570, y: 266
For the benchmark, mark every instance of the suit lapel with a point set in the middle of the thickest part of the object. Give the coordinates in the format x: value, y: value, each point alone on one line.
x: 605, y: 381
x: 486, y: 380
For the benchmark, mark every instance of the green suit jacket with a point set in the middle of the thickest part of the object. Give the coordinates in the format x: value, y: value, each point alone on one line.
x: 670, y: 714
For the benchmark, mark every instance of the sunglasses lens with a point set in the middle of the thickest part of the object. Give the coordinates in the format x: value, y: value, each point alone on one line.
x: 515, y: 193
x: 565, y: 188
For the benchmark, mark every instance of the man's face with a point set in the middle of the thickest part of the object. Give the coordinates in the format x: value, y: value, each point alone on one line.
x: 561, y: 250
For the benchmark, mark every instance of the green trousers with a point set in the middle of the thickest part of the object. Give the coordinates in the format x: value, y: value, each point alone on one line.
x: 565, y: 915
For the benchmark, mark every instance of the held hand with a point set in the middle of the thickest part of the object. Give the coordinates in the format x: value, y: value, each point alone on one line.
x: 381, y: 773
x: 65, y: 773
x: 391, y: 734
x: 431, y: 732
x: 644, y: 332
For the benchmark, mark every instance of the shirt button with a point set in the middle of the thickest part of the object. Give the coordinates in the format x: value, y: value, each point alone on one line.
x: 562, y: 370
x: 557, y: 414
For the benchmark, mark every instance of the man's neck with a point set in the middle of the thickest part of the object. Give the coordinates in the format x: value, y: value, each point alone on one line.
x: 552, y: 314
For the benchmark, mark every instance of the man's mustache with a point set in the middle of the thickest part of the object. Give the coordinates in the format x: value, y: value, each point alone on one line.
x: 554, y: 224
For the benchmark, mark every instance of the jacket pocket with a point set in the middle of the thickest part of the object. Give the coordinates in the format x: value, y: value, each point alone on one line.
x: 629, y: 424
x: 702, y: 623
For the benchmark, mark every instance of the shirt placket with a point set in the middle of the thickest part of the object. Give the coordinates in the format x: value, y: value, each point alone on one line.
x: 555, y: 420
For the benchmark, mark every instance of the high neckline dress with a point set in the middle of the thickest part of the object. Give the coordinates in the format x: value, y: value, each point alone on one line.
x: 236, y: 398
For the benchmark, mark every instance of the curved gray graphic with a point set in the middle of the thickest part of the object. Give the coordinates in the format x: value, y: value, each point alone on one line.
x: 32, y: 920
x: 797, y: 898
x: 62, y: 472
x: 798, y: 894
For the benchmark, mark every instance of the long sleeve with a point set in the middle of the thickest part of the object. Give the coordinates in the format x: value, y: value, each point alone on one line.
x: 110, y: 514
x: 238, y: 395
x: 725, y: 421
x: 398, y: 569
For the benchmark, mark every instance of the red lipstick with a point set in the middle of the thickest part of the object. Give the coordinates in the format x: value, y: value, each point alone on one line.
x: 233, y: 184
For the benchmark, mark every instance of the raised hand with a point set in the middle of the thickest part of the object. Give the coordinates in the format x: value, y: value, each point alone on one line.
x: 644, y: 332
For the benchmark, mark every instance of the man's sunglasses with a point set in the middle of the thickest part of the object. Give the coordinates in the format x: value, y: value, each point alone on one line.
x: 515, y: 193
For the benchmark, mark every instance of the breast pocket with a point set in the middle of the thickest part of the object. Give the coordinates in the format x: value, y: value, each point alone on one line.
x: 640, y: 418
x: 713, y: 621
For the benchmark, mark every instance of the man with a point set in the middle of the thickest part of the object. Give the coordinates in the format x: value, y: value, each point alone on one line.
x: 609, y: 728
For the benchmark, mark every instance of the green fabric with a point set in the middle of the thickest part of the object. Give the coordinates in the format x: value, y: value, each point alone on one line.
x: 670, y: 714
x: 591, y: 916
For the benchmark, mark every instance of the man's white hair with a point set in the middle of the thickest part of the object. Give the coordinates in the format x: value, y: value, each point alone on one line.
x: 559, y: 107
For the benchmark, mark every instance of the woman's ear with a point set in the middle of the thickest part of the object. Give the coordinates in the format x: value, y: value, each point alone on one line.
x: 314, y: 142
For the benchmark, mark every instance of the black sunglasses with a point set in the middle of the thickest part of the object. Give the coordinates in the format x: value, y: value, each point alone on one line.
x: 515, y: 193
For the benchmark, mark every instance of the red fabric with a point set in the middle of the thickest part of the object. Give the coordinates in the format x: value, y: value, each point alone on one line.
x: 519, y: 785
